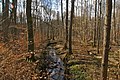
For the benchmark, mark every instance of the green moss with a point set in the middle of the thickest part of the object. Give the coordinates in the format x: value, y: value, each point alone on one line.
x: 79, y: 72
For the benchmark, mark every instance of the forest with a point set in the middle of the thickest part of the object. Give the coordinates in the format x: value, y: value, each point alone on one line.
x: 59, y: 39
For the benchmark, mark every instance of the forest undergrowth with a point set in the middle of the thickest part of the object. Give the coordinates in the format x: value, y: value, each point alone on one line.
x: 84, y: 64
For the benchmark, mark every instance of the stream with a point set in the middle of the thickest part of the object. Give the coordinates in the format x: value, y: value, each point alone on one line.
x: 56, y: 68
x: 52, y: 65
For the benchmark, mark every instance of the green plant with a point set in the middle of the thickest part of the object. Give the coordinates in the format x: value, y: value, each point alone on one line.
x: 78, y: 72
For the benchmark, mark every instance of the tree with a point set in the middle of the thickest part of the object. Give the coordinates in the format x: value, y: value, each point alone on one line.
x: 70, y: 28
x: 62, y: 12
x: 30, y: 29
x: 3, y: 9
x: 3, y: 6
x: 106, y: 39
x: 99, y: 25
x: 14, y: 9
x: 114, y: 25
x: 5, y: 24
x: 66, y: 42
x: 94, y: 35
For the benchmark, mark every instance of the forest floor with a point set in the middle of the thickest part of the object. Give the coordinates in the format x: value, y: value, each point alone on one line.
x: 13, y: 65
x: 84, y: 64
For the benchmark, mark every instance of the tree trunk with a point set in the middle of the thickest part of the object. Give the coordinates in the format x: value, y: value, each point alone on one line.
x: 70, y: 28
x: 30, y: 29
x: 3, y: 6
x: 118, y: 29
x: 6, y: 20
x: 62, y: 12
x: 106, y: 39
x: 14, y: 9
x: 114, y: 25
x: 66, y: 42
x: 3, y: 12
x: 99, y: 26
x: 94, y: 35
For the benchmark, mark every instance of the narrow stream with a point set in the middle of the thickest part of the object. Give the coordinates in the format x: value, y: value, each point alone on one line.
x: 56, y: 67
x: 50, y: 66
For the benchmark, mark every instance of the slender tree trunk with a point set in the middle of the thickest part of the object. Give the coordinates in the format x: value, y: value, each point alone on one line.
x: 70, y: 28
x: 102, y: 20
x: 99, y: 26
x: 58, y: 17
x: 118, y: 30
x: 14, y: 9
x: 3, y: 6
x: 81, y: 20
x: 3, y: 12
x: 6, y: 21
x: 94, y: 36
x: 85, y: 21
x: 70, y: 40
x: 66, y: 42
x: 13, y: 18
x: 36, y: 13
x: 62, y: 12
x: 114, y: 25
x: 30, y: 29
x: 106, y: 39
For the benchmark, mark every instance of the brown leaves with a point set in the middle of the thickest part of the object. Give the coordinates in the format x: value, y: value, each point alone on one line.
x: 14, y: 67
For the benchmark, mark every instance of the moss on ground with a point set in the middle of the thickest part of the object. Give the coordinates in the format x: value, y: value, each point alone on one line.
x: 79, y: 72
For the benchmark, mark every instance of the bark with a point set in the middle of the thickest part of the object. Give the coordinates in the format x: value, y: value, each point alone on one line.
x: 86, y: 22
x: 3, y: 11
x: 14, y: 9
x: 106, y: 39
x: 62, y: 12
x: 114, y: 25
x: 118, y: 27
x: 30, y: 29
x: 58, y: 17
x: 66, y: 42
x: 6, y: 20
x: 94, y: 36
x: 99, y: 26
x: 70, y: 28
x: 3, y: 6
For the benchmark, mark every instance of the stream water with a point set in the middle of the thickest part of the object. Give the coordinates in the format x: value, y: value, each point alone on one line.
x: 56, y: 67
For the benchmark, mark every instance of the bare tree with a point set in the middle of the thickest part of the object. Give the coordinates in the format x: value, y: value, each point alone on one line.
x: 106, y: 39
x: 3, y: 9
x: 3, y: 6
x: 114, y: 24
x: 99, y: 26
x: 70, y: 28
x: 94, y: 35
x: 14, y: 9
x: 30, y: 29
x: 6, y: 20
x: 62, y: 12
x: 66, y: 23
